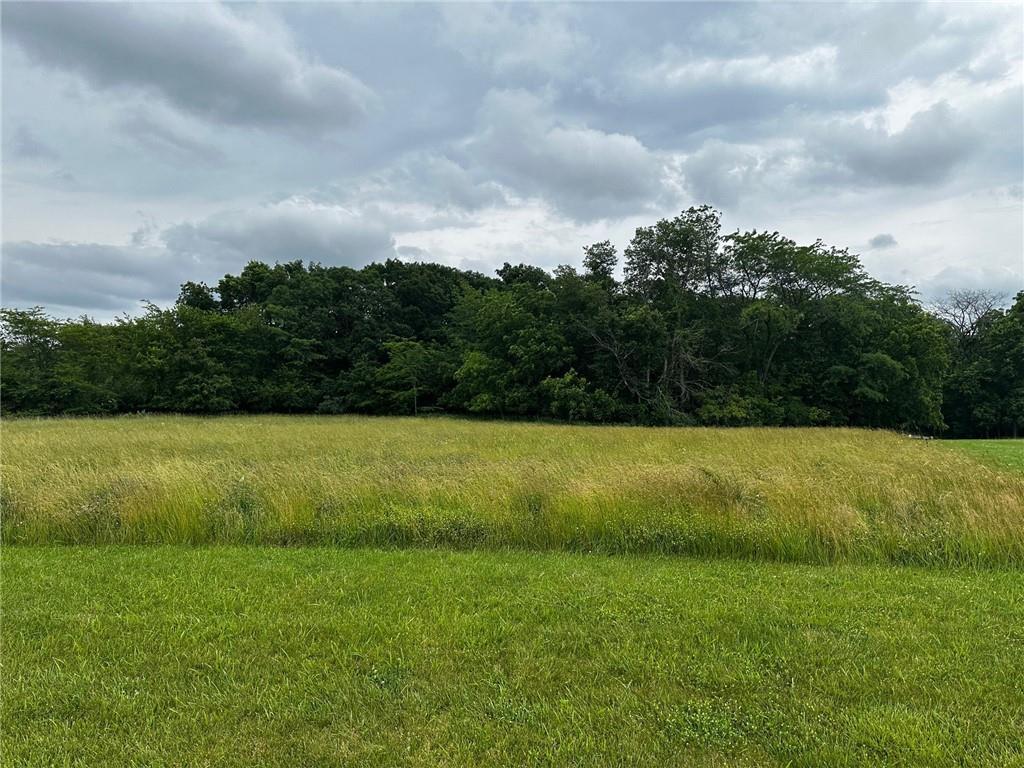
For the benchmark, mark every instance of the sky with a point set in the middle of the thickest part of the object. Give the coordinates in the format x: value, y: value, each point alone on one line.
x: 146, y: 145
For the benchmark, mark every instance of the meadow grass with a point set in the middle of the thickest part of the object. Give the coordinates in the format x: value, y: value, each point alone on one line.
x: 806, y: 495
x: 240, y: 656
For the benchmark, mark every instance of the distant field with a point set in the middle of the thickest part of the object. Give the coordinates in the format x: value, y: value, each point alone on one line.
x: 1003, y: 453
x: 805, y: 495
x: 223, y: 656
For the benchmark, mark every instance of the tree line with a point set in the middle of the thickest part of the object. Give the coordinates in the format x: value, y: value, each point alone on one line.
x: 746, y: 328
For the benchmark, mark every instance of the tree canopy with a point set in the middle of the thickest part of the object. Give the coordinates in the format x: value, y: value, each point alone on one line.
x: 745, y: 328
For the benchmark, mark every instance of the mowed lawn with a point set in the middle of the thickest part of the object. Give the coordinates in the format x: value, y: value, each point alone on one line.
x: 1000, y: 453
x: 241, y: 656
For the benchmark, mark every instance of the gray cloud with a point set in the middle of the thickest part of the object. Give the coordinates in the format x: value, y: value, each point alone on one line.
x: 883, y: 240
x: 64, y: 178
x: 434, y: 177
x: 529, y: 40
x: 720, y: 173
x: 746, y: 71
x: 25, y: 144
x: 75, y: 278
x: 295, y: 228
x: 166, y: 139
x: 585, y: 172
x: 924, y: 152
x: 203, y: 59
x: 1003, y: 281
x: 714, y: 90
x: 842, y: 155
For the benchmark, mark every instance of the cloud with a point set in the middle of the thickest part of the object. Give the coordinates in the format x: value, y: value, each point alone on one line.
x: 413, y: 253
x: 204, y: 59
x: 499, y: 132
x: 679, y: 91
x: 721, y: 173
x: 745, y: 71
x: 429, y: 178
x: 167, y: 139
x: 510, y: 39
x: 844, y: 156
x: 812, y: 68
x: 296, y: 228
x: 582, y: 171
x: 926, y: 151
x: 1001, y: 280
x: 25, y: 144
x: 75, y: 278
x: 881, y: 241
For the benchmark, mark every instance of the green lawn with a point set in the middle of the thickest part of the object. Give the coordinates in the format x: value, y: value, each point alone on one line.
x: 1002, y: 453
x: 222, y: 656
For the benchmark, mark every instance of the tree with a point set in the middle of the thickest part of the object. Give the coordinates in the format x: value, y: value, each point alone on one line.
x: 198, y: 296
x: 29, y: 346
x: 768, y: 326
x: 412, y: 368
x: 985, y: 389
x: 676, y: 255
x: 599, y: 262
x: 963, y: 310
x: 570, y: 398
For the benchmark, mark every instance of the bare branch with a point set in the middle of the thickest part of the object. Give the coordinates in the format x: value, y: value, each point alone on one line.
x: 964, y: 309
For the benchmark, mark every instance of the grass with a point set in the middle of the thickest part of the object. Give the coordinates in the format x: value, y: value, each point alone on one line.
x: 228, y: 655
x: 798, y: 495
x: 238, y: 656
x: 1000, y: 453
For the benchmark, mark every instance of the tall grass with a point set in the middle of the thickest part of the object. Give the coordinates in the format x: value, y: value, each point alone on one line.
x: 810, y: 495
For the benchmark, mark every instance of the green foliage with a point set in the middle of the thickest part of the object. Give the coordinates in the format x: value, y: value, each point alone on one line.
x: 743, y: 328
x: 415, y: 375
x: 599, y: 261
x: 570, y: 398
x: 984, y: 393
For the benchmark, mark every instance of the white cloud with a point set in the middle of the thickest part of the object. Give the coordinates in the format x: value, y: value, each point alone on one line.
x: 811, y: 68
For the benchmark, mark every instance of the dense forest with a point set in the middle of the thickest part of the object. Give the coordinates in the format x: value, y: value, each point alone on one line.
x: 703, y: 328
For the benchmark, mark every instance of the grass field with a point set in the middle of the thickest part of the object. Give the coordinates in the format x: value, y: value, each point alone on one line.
x: 889, y: 630
x: 1000, y: 453
x: 227, y: 656
x: 799, y: 495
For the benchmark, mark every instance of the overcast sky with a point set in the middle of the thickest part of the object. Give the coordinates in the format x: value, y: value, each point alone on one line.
x: 145, y: 145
